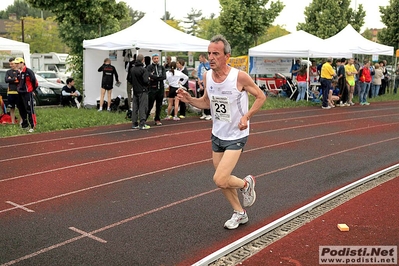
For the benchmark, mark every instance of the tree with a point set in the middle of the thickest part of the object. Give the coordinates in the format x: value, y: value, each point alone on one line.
x: 208, y: 27
x: 38, y: 32
x: 244, y: 21
x: 368, y: 34
x: 22, y: 9
x: 192, y: 20
x: 325, y: 18
x: 132, y: 18
x: 390, y: 17
x: 273, y: 32
x: 80, y: 20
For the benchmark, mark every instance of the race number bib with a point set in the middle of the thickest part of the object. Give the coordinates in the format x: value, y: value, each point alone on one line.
x: 221, y: 108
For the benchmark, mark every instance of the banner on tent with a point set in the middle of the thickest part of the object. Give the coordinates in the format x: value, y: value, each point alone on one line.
x: 239, y: 62
x: 261, y: 65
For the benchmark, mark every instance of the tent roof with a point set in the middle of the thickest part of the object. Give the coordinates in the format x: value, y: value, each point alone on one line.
x: 353, y: 40
x: 149, y: 33
x: 7, y: 44
x: 298, y: 44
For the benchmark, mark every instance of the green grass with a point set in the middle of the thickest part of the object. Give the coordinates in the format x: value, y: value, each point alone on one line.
x: 61, y: 118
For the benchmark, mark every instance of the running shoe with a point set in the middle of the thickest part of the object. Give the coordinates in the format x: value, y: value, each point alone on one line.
x: 135, y: 127
x: 236, y: 220
x: 31, y: 130
x: 326, y: 107
x: 168, y: 117
x: 176, y: 118
x: 208, y: 117
x: 248, y: 193
x: 145, y: 127
x: 366, y: 103
x: 158, y: 123
x: 182, y: 116
x: 202, y: 117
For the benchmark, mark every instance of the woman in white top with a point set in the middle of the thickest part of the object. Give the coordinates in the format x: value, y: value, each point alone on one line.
x: 174, y: 78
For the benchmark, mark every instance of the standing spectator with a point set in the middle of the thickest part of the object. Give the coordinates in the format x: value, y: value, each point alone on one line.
x: 376, y: 80
x: 26, y: 86
x: 319, y: 67
x: 295, y: 69
x: 167, y: 63
x: 395, y: 90
x: 156, y: 89
x: 313, y: 74
x: 70, y: 95
x: 302, y: 83
x: 350, y: 72
x: 203, y: 66
x: 173, y: 79
x: 327, y: 74
x: 180, y: 64
x: 139, y: 78
x: 129, y: 87
x: 365, y: 80
x: 343, y: 88
x: 12, y: 93
x: 230, y: 128
x: 107, y: 82
x: 383, y: 79
x: 356, y: 89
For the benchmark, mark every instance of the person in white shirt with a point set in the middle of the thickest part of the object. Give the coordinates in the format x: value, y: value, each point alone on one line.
x: 174, y: 78
x: 226, y: 94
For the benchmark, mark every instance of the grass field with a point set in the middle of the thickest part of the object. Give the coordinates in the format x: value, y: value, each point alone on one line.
x: 62, y: 118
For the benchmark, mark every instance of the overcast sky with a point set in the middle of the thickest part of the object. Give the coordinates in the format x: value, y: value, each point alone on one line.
x: 289, y: 17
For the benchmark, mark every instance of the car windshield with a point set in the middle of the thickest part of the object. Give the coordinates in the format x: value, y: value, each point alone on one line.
x: 39, y: 78
x: 48, y: 75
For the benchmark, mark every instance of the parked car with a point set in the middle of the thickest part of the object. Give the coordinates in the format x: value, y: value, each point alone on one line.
x: 51, y: 76
x: 48, y: 93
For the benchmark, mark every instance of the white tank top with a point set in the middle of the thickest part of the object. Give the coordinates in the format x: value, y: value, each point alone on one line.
x: 228, y: 105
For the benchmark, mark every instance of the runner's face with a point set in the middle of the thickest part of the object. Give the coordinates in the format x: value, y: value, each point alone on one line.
x: 216, y: 56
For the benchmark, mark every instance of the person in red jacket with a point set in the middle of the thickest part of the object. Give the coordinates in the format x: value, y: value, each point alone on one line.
x: 26, y: 87
x: 365, y: 80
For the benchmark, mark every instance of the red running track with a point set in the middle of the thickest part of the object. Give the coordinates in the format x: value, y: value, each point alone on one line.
x: 116, y: 196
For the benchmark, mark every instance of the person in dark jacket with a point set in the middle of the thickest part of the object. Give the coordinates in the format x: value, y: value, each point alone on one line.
x: 107, y: 83
x: 139, y: 77
x: 12, y: 93
x: 156, y: 92
x: 70, y: 95
x: 26, y: 86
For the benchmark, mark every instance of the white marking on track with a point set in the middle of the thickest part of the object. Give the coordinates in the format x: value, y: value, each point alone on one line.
x: 88, y: 235
x: 18, y: 206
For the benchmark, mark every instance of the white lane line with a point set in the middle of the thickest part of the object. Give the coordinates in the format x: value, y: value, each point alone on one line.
x: 119, y: 157
x: 44, y: 250
x: 180, y: 132
x: 171, y: 205
x: 87, y: 235
x: 18, y: 206
x: 209, y: 159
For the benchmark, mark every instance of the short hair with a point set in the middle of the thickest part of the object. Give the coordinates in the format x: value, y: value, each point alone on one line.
x: 107, y: 59
x: 221, y: 38
x: 181, y: 62
x: 343, y: 60
x: 329, y: 60
x: 140, y: 58
x: 11, y: 59
x: 69, y: 80
x: 202, y: 55
x: 365, y: 61
x: 376, y: 66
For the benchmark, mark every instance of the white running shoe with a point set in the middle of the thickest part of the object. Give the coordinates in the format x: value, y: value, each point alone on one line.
x: 208, y: 117
x: 248, y: 193
x: 203, y: 117
x: 236, y: 220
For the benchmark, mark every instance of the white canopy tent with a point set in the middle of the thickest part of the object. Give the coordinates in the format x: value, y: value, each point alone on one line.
x: 149, y: 34
x: 11, y: 45
x: 298, y: 44
x: 357, y: 44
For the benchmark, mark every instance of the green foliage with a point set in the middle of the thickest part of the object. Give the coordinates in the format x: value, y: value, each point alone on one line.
x: 132, y: 18
x: 273, y: 32
x: 368, y: 34
x: 83, y: 20
x: 192, y: 20
x: 22, y: 9
x: 325, y: 18
x: 207, y: 28
x: 37, y: 32
x: 390, y: 17
x: 244, y: 21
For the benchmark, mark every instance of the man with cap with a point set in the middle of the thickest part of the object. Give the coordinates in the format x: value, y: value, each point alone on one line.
x: 26, y: 86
